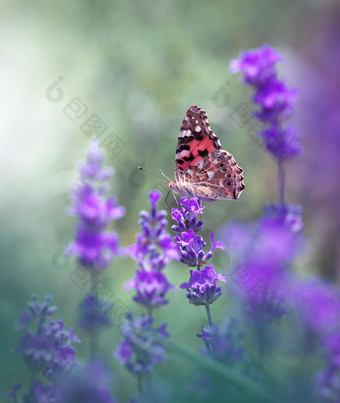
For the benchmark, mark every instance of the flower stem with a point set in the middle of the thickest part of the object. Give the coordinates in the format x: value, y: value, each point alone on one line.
x: 207, y: 308
x: 32, y: 379
x: 281, y: 182
x: 139, y: 378
x: 30, y: 392
x: 94, y: 278
x: 94, y: 344
x: 94, y: 336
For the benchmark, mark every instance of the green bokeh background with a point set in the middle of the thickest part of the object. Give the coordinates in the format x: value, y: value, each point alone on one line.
x: 138, y: 65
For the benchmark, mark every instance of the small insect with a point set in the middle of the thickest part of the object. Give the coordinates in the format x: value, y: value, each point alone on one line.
x: 202, y: 169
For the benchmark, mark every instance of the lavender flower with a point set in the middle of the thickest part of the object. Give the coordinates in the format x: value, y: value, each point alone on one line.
x: 36, y: 310
x: 262, y: 250
x: 320, y: 163
x: 154, y: 248
x: 281, y: 143
x: 262, y: 254
x: 191, y: 246
x: 90, y: 383
x: 202, y: 286
x: 275, y: 99
x: 45, y: 348
x: 258, y: 66
x: 318, y: 304
x: 46, y: 393
x: 141, y: 349
x: 12, y: 393
x: 328, y: 385
x: 287, y: 215
x: 151, y: 287
x: 325, y: 309
x: 153, y: 251
x: 48, y: 348
x: 332, y: 345
x: 186, y: 215
x: 94, y: 313
x: 94, y: 247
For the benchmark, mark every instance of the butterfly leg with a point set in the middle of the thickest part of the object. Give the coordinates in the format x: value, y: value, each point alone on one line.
x: 166, y: 200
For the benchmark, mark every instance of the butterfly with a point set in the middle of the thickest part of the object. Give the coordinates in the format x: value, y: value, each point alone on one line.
x: 202, y: 169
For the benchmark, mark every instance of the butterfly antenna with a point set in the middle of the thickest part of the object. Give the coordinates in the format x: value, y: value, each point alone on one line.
x: 176, y: 201
x: 162, y: 173
x: 150, y: 173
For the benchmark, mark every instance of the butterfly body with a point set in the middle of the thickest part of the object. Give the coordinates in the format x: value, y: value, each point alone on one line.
x: 202, y: 169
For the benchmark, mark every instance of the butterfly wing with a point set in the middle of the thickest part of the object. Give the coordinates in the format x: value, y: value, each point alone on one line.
x: 195, y: 141
x: 201, y: 166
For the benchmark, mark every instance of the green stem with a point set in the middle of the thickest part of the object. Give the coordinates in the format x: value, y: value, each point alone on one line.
x: 207, y: 308
x: 281, y: 183
x: 32, y: 379
x: 227, y: 374
x: 94, y: 283
x: 94, y: 344
x: 139, y: 378
x: 30, y: 392
x: 94, y: 336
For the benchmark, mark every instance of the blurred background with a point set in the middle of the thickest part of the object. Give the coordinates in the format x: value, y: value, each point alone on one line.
x: 129, y: 71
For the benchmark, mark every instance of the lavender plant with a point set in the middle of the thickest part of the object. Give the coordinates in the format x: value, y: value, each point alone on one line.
x: 46, y: 349
x: 89, y: 383
x: 264, y: 253
x: 268, y: 250
x: 94, y: 246
x: 202, y: 286
x: 276, y: 102
x: 141, y: 348
x: 153, y: 250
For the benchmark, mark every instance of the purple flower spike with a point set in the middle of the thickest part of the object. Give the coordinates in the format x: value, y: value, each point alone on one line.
x: 141, y: 349
x: 287, y: 215
x: 257, y: 65
x: 93, y: 208
x: 12, y: 393
x: 154, y: 197
x: 153, y: 251
x: 154, y: 248
x: 88, y: 384
x: 281, y: 144
x: 202, y: 288
x: 46, y: 393
x: 274, y: 98
x: 151, y: 287
x: 191, y: 248
x: 186, y: 216
x: 47, y: 348
x: 94, y: 247
x: 328, y: 384
x: 93, y: 169
x: 94, y: 313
